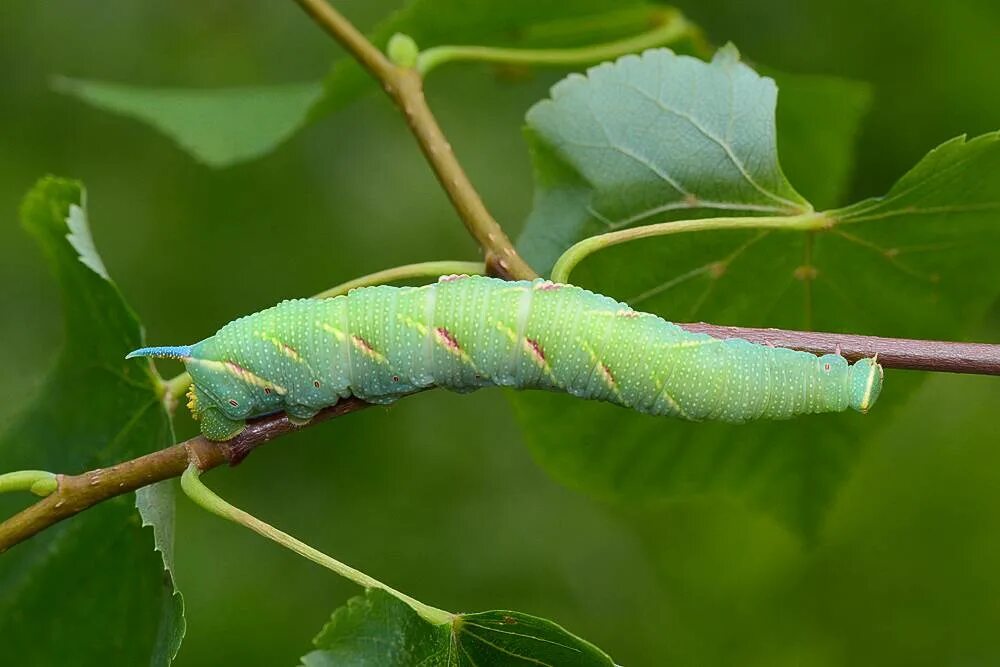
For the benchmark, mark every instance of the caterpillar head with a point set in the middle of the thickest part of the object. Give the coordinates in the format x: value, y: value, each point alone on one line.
x: 866, y: 384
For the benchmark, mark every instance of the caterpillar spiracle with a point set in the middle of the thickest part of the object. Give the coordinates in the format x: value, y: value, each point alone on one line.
x: 466, y: 332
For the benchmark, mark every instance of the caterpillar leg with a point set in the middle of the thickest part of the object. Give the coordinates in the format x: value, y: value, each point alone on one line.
x: 866, y: 384
x: 300, y: 415
x: 214, y: 424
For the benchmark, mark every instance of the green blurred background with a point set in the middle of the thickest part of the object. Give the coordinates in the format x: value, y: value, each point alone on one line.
x: 437, y: 495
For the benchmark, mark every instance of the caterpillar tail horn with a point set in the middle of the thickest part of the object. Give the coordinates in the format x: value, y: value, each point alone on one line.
x: 165, y: 352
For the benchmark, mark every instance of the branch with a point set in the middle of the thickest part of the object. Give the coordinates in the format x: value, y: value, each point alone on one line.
x: 951, y: 357
x: 405, y: 86
x: 76, y: 493
x: 903, y: 353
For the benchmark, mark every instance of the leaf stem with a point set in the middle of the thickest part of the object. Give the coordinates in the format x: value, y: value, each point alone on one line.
x: 672, y: 26
x: 405, y: 86
x: 175, y: 388
x: 207, y: 499
x: 579, y: 251
x: 405, y: 272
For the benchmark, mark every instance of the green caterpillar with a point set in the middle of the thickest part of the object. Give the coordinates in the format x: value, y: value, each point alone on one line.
x: 462, y: 333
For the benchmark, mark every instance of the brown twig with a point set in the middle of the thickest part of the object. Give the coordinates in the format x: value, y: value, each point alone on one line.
x: 76, y: 493
x: 905, y: 353
x: 79, y: 492
x: 406, y: 88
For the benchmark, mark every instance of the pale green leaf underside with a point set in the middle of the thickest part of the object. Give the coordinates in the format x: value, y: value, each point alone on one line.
x: 80, y: 238
x: 378, y: 630
x: 916, y: 263
x: 659, y: 135
x: 218, y: 126
x: 62, y: 597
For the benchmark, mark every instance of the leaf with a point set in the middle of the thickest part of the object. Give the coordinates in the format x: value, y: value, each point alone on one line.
x: 912, y: 264
x: 91, y: 589
x: 378, y: 630
x: 222, y: 127
x: 656, y: 137
x: 219, y: 127
x: 923, y: 257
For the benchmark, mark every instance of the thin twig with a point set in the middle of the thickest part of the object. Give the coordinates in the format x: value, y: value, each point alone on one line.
x: 405, y: 86
x: 501, y: 257
x: 903, y: 353
x: 342, y: 30
x: 78, y: 492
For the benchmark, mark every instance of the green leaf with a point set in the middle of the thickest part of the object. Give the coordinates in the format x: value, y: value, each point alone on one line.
x: 225, y: 126
x: 655, y: 137
x: 219, y: 127
x: 378, y: 630
x: 913, y: 264
x: 90, y: 589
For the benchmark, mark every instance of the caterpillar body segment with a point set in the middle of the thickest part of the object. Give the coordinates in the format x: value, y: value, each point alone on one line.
x: 463, y: 333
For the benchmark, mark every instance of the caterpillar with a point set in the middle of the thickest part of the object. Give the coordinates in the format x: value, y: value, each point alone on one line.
x: 466, y: 332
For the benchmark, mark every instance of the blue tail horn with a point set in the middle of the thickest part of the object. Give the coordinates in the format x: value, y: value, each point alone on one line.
x: 167, y: 352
